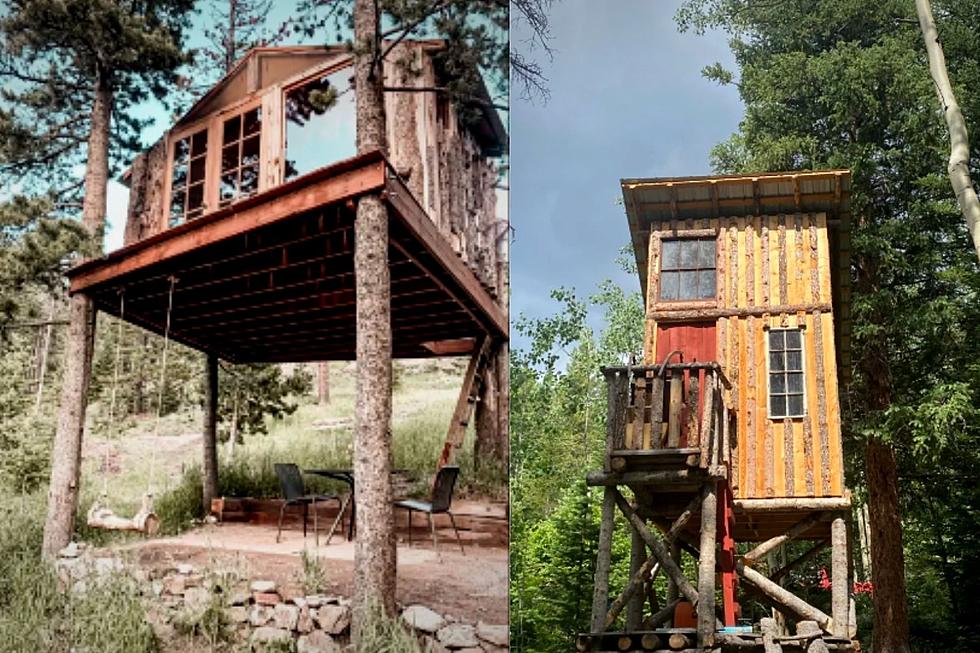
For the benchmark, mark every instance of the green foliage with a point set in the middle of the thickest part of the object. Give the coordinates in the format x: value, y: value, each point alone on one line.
x: 252, y: 393
x: 313, y: 575
x: 379, y: 633
x: 178, y: 508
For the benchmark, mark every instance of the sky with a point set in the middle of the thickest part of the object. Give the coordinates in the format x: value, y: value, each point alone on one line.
x: 626, y: 100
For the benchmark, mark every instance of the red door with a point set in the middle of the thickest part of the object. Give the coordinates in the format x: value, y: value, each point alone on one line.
x: 696, y: 343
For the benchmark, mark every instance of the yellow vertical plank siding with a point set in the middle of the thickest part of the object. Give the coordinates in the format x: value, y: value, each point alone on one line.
x: 767, y: 262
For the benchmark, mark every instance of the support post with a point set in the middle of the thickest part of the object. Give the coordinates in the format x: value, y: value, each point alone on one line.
x: 601, y: 580
x: 673, y: 593
x: 210, y: 489
x: 726, y: 560
x: 706, y: 566
x: 634, y: 609
x: 839, y: 580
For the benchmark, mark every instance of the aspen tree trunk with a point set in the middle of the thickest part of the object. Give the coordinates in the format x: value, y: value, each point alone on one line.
x: 374, y: 554
x: 66, y: 453
x: 210, y: 485
x: 323, y: 383
x: 959, y: 140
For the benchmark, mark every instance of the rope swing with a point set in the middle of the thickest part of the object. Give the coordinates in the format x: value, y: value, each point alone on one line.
x: 145, y: 520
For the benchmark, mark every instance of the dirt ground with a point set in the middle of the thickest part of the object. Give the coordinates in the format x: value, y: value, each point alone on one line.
x: 470, y: 586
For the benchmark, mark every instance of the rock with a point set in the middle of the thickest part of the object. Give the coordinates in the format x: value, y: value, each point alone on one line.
x: 266, y: 598
x: 469, y: 649
x: 432, y: 645
x: 334, y: 619
x: 316, y: 600
x: 299, y: 601
x: 317, y: 642
x: 174, y: 584
x: 185, y: 569
x: 260, y: 615
x: 497, y: 635
x: 70, y: 551
x: 458, y: 636
x: 237, y: 614
x: 194, y: 580
x: 304, y: 624
x: 196, y: 599
x: 270, y: 635
x: 239, y: 596
x: 286, y: 616
x: 263, y: 586
x: 422, y: 618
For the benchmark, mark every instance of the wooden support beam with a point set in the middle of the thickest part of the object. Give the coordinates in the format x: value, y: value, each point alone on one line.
x: 601, y: 579
x: 617, y: 398
x: 786, y: 504
x: 840, y: 594
x: 665, y: 614
x: 639, y: 569
x: 681, y: 476
x: 210, y: 439
x: 795, y: 531
x: 782, y: 598
x: 788, y: 567
x: 670, y: 567
x: 706, y: 566
x: 631, y: 594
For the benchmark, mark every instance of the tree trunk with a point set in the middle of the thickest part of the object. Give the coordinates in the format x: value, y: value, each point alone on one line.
x: 210, y: 486
x: 891, y: 631
x: 66, y: 452
x: 374, y: 555
x: 959, y: 140
x: 323, y: 383
x: 488, y: 446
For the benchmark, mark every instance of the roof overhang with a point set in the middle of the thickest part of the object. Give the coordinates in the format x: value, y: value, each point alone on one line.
x: 271, y: 278
x: 656, y: 201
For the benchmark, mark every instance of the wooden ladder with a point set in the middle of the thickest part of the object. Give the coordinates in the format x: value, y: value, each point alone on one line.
x: 469, y: 394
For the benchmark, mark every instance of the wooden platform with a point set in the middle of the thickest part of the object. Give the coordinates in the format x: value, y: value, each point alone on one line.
x: 659, y: 641
x: 271, y: 278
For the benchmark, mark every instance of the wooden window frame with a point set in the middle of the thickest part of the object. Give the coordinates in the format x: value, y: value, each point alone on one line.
x: 219, y: 119
x: 295, y: 82
x: 205, y: 124
x: 803, y: 371
x: 681, y: 304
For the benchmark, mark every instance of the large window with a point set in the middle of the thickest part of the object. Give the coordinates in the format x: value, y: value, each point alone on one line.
x: 187, y: 177
x: 687, y: 269
x: 786, y: 373
x: 320, y: 123
x: 240, y: 156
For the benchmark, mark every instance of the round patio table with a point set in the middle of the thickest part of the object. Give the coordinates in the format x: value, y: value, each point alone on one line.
x: 345, y: 476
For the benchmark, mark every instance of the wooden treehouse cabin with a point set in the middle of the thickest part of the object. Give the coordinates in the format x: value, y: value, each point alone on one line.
x: 240, y: 231
x: 729, y: 432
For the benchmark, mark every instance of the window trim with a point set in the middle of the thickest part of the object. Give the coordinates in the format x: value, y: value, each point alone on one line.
x: 294, y: 83
x: 802, y: 329
x: 217, y: 128
x: 683, y: 234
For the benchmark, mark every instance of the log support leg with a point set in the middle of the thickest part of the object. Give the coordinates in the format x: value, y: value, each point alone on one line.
x: 706, y: 567
x: 726, y: 559
x: 839, y: 577
x: 601, y: 581
x: 634, y: 609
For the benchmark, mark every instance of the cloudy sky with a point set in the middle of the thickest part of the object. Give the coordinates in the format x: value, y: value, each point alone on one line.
x: 627, y: 100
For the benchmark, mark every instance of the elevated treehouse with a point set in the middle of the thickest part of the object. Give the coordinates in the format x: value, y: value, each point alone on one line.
x: 730, y: 430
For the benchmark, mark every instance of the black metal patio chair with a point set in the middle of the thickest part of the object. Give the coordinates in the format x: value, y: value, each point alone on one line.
x: 440, y: 502
x: 294, y: 493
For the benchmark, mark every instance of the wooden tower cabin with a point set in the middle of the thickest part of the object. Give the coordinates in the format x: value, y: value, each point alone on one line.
x: 729, y: 432
x: 240, y: 231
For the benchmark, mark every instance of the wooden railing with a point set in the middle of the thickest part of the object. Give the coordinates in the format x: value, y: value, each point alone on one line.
x: 677, y: 406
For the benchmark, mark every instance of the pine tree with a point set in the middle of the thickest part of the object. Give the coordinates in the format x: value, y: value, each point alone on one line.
x: 72, y: 68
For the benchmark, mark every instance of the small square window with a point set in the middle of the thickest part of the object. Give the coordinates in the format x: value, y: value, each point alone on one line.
x: 786, y: 383
x: 687, y: 269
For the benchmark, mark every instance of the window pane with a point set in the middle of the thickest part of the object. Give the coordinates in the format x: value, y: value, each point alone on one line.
x: 795, y: 405
x: 250, y: 180
x: 182, y: 151
x: 707, y: 256
x: 689, y: 254
x: 671, y: 254
x: 179, y: 176
x: 794, y: 360
x: 200, y: 143
x: 197, y: 169
x: 229, y: 183
x: 195, y: 197
x: 688, y: 284
x: 250, y: 151
x: 776, y: 361
x: 793, y: 339
x: 232, y: 130
x: 253, y: 121
x: 176, y: 206
x: 778, y: 406
x: 669, y: 285
x: 795, y: 382
x: 706, y: 283
x: 229, y: 157
x: 777, y: 383
x: 776, y: 340
x: 320, y: 123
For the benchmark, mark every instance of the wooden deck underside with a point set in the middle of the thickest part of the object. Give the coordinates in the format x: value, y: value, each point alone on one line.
x: 271, y: 278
